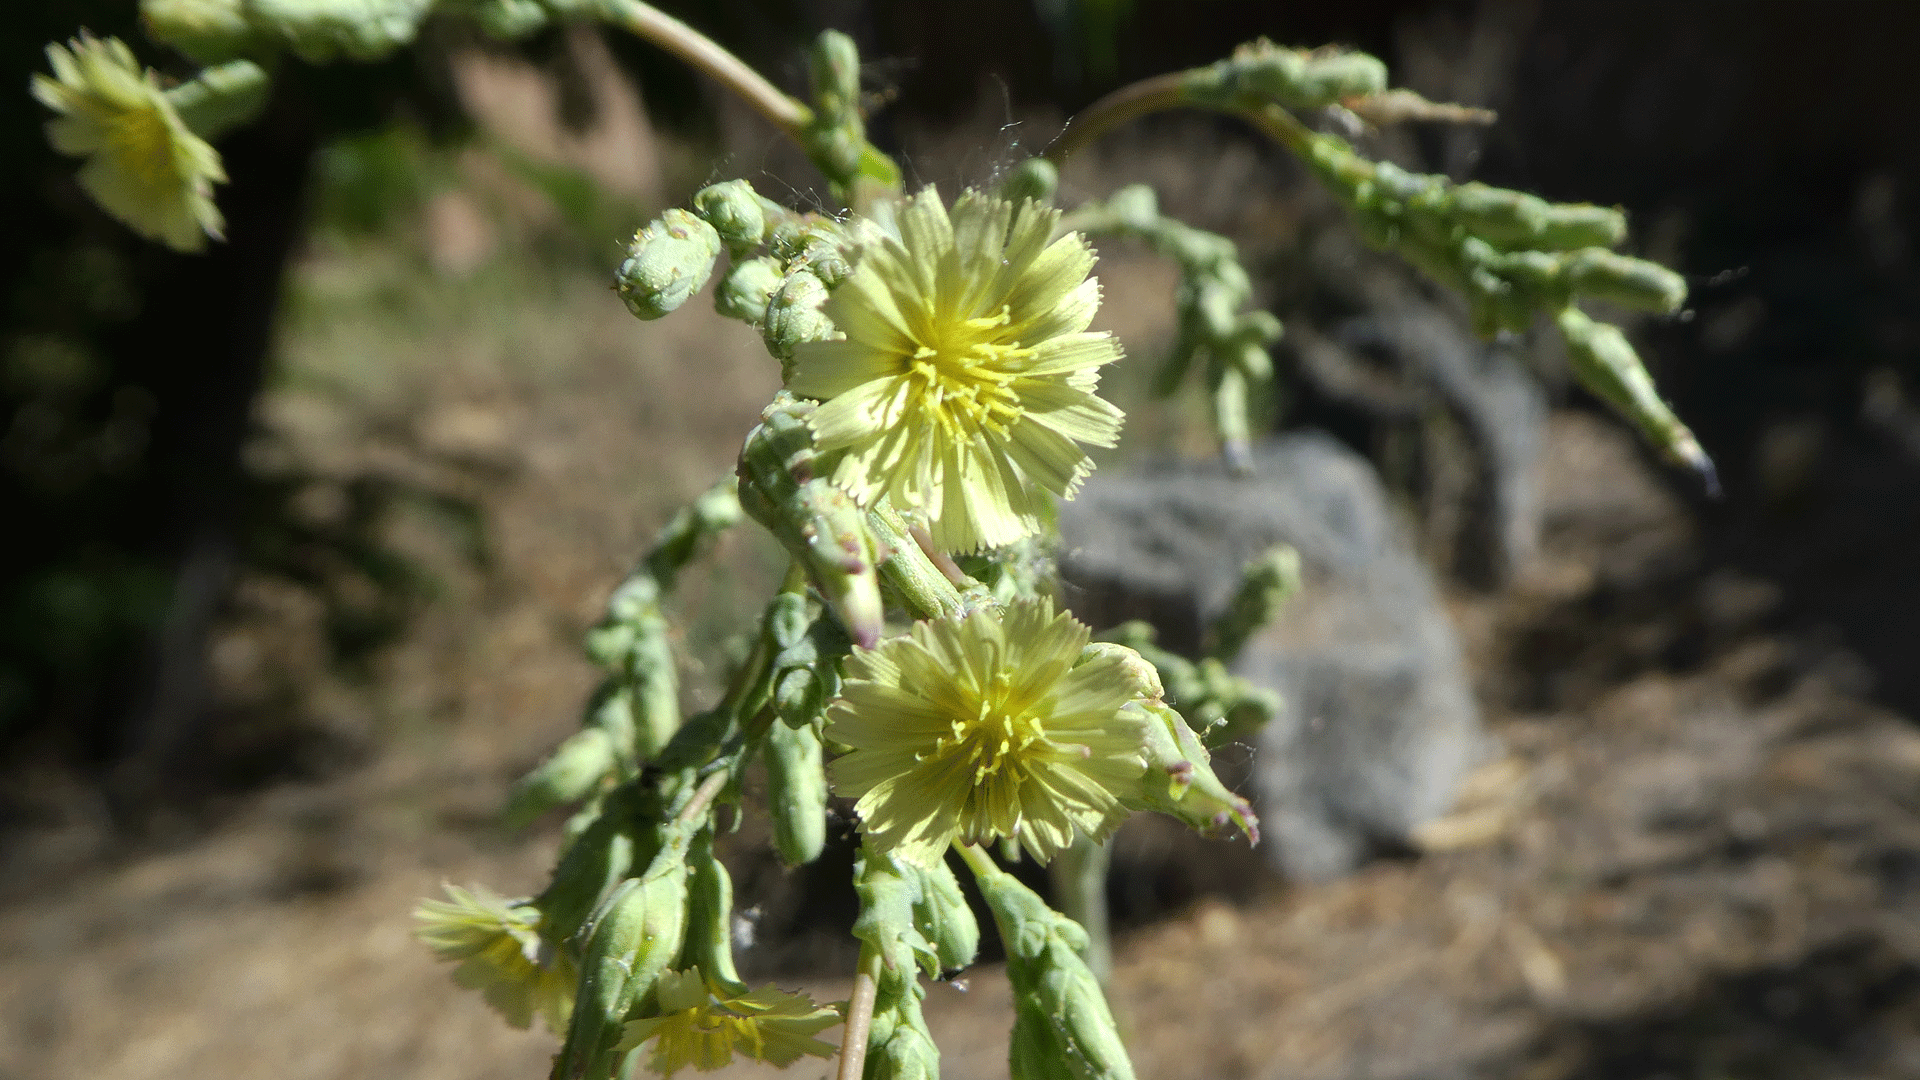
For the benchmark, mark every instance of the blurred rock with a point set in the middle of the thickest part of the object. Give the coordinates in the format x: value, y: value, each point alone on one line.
x: 1380, y: 728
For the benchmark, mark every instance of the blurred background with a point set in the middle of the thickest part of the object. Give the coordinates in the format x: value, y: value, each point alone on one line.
x: 306, y: 532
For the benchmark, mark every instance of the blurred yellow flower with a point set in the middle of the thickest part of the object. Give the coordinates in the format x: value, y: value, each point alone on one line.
x: 501, y: 954
x: 144, y: 166
x: 994, y: 725
x: 963, y: 388
x: 704, y: 1026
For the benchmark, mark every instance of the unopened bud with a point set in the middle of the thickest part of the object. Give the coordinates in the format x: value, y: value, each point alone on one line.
x: 943, y: 916
x: 208, y: 31
x: 576, y: 768
x: 639, y: 935
x: 1607, y: 365
x: 735, y: 211
x: 321, y: 30
x: 1629, y: 282
x: 668, y: 261
x: 1179, y: 780
x: 745, y: 288
x: 1265, y: 583
x: 796, y: 793
x: 709, y: 938
x: 794, y: 316
x: 1034, y: 179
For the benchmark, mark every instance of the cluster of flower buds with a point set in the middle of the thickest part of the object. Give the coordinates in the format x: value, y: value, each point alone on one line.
x: 817, y: 523
x: 317, y: 31
x: 1268, y: 581
x: 1215, y: 324
x: 805, y: 676
x: 836, y: 136
x: 637, y: 708
x: 1300, y: 79
x: 1062, y: 1025
x: 1218, y: 704
x: 1514, y: 255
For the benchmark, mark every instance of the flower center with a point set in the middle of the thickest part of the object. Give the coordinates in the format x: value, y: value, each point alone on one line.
x: 143, y: 144
x: 995, y: 742
x: 963, y: 378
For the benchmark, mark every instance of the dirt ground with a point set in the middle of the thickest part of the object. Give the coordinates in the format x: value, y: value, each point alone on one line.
x: 1697, y: 859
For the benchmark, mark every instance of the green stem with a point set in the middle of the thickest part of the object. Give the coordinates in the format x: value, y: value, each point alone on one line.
x: 1080, y: 879
x: 703, y: 53
x: 866, y: 987
x: 1124, y: 105
x: 978, y: 861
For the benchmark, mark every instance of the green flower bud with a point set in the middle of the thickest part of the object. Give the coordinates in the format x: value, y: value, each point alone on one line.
x: 1034, y: 179
x: 1179, y: 780
x: 667, y: 263
x: 322, y: 30
x: 735, y: 211
x: 1265, y: 583
x: 745, y: 288
x: 833, y: 69
x: 599, y: 858
x: 1629, y: 282
x: 639, y: 935
x: 943, y: 917
x: 1579, y: 225
x: 794, y: 316
x: 796, y: 793
x: 709, y: 940
x: 691, y: 531
x: 907, y: 1051
x: 572, y: 773
x: 208, y: 31
x: 1607, y: 365
x: 1062, y: 1025
x: 1508, y: 220
x: 509, y: 20
x: 221, y: 98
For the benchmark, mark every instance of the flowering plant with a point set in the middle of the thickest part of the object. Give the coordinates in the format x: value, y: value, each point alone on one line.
x: 940, y: 393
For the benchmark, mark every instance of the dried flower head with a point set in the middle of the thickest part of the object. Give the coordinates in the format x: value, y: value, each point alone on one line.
x: 501, y: 954
x: 144, y: 166
x: 988, y: 726
x: 704, y: 1025
x: 963, y: 388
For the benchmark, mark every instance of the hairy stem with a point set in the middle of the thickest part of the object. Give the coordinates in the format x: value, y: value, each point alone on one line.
x: 866, y: 986
x: 1122, y: 106
x: 704, y: 54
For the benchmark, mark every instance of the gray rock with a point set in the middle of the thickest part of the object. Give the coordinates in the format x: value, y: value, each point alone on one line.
x: 1379, y: 727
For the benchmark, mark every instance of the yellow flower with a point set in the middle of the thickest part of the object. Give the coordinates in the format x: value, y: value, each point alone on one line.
x: 704, y: 1025
x: 501, y: 954
x: 144, y: 166
x: 963, y: 388
x: 990, y: 726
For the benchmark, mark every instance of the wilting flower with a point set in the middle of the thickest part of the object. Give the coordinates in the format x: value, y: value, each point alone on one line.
x: 501, y: 954
x: 144, y: 166
x: 704, y: 1026
x: 963, y: 388
x: 984, y: 727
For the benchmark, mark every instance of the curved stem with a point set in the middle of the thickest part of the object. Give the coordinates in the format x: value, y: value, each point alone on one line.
x: 703, y: 53
x: 1126, y: 104
x: 866, y: 987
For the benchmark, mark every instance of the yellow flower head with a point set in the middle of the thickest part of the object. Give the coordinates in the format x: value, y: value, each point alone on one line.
x: 501, y: 954
x: 144, y: 166
x: 990, y: 726
x: 704, y: 1026
x: 963, y: 388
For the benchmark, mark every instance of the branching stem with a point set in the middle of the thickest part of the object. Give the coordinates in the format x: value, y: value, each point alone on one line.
x: 1126, y: 104
x: 704, y: 54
